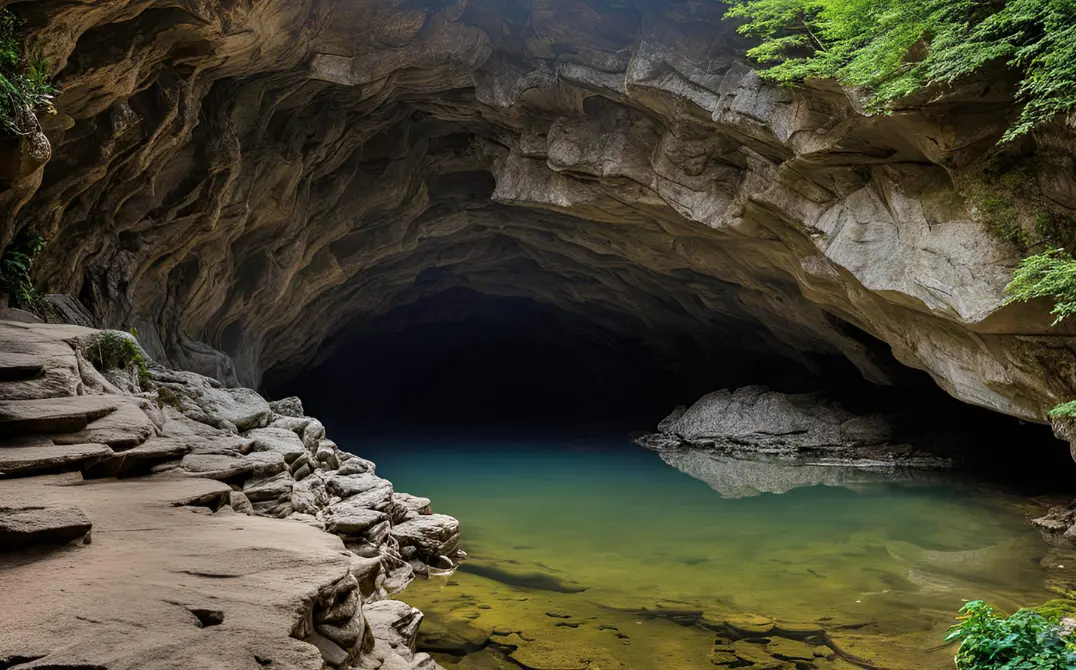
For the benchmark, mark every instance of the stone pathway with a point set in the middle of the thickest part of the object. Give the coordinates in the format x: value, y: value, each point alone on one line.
x: 175, y: 523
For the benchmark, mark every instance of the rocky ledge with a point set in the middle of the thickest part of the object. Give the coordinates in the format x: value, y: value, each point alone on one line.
x: 227, y: 531
x: 810, y: 428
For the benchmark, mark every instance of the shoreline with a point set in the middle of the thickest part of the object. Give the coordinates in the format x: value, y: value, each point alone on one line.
x: 140, y: 522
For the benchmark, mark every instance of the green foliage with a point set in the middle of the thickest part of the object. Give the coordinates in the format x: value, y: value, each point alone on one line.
x: 15, y: 264
x: 112, y: 351
x: 1024, y: 641
x: 25, y: 84
x: 896, y: 47
x: 1066, y: 410
x: 1057, y: 609
x: 1050, y: 274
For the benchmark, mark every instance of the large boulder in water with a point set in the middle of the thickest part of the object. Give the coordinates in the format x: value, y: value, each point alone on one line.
x: 755, y: 420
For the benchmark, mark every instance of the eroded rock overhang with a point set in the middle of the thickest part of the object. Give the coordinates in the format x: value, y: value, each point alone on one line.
x: 250, y: 179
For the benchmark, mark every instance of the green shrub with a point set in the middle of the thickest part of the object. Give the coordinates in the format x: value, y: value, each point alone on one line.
x: 893, y: 48
x: 112, y: 351
x: 1050, y: 274
x: 25, y: 84
x: 1024, y: 641
x: 15, y: 264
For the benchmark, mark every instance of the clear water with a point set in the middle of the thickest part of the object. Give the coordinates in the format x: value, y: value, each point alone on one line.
x: 601, y: 555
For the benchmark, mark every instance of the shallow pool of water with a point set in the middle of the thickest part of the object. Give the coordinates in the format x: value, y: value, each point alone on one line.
x: 589, y: 554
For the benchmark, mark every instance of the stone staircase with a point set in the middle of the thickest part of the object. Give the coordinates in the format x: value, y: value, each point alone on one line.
x: 41, y: 422
x: 118, y: 453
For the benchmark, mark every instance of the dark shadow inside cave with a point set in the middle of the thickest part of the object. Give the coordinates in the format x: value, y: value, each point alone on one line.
x: 462, y: 364
x: 468, y: 362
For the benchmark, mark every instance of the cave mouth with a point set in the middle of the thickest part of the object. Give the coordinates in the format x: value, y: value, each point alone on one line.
x: 467, y: 362
x: 464, y: 365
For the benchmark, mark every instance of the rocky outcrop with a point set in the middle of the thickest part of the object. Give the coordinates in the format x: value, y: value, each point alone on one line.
x: 242, y: 181
x: 176, y: 470
x: 810, y: 428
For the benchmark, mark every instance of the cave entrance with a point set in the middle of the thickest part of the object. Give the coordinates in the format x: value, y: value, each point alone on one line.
x: 512, y: 414
x: 460, y: 363
x: 471, y: 362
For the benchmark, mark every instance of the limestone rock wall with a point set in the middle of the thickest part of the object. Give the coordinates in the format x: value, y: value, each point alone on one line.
x: 241, y: 180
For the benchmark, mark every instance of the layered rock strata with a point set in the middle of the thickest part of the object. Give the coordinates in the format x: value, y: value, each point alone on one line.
x: 808, y: 428
x: 169, y: 522
x: 242, y: 181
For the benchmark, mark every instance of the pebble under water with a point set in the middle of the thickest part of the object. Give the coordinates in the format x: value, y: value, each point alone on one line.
x: 592, y: 554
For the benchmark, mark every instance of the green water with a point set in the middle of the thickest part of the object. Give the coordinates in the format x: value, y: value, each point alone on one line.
x: 601, y: 555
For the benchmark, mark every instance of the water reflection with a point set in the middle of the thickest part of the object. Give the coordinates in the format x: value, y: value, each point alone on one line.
x: 602, y: 556
x: 741, y: 478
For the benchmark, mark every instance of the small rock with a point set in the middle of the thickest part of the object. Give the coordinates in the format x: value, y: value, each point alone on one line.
x: 54, y: 524
x: 331, y: 652
x: 240, y: 503
x: 281, y: 440
x: 290, y: 406
x: 432, y: 535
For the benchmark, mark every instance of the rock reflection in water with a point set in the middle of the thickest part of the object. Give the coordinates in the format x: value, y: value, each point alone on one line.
x: 741, y: 478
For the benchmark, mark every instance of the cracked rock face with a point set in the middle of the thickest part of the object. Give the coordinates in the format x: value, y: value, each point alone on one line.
x: 242, y: 180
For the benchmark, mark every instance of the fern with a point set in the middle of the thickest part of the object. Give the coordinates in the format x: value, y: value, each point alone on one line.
x: 1050, y: 274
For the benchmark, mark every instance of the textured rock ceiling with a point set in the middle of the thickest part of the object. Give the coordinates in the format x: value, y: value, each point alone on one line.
x: 252, y: 176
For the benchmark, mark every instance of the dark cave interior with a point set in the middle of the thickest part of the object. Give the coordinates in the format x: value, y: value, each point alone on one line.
x: 466, y: 364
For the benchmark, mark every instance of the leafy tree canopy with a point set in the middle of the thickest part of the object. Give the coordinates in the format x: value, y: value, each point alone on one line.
x: 897, y: 47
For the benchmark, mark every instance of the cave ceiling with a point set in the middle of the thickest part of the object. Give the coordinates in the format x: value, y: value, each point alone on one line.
x: 243, y: 180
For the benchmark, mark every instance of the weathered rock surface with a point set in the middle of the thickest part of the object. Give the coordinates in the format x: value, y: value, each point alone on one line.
x: 169, y: 580
x: 278, y: 440
x: 240, y: 181
x: 227, y: 466
x: 427, y: 537
x: 140, y: 460
x: 37, y: 525
x: 755, y: 421
x: 290, y: 406
x: 54, y: 415
x: 42, y: 457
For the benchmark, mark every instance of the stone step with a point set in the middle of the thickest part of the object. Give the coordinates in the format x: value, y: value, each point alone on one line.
x: 52, y: 415
x: 42, y: 525
x: 36, y: 362
x: 141, y: 459
x: 23, y: 457
x: 128, y: 426
x: 19, y: 367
